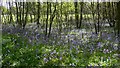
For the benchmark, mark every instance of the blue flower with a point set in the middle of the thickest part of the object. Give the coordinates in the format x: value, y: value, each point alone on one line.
x: 45, y: 60
x: 60, y: 58
x: 105, y: 51
x: 99, y: 44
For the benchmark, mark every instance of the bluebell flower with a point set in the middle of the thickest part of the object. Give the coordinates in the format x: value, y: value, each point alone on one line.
x: 99, y: 45
x: 60, y: 58
x: 115, y: 47
x: 45, y: 60
x: 37, y: 36
x: 105, y: 51
x: 109, y: 38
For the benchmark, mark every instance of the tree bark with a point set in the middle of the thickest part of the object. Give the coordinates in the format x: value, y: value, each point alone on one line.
x: 81, y: 10
x: 26, y: 15
x: 118, y: 19
x: 17, y: 12
x: 51, y: 20
x: 23, y: 21
x: 98, y: 22
x: 76, y: 14
x: 47, y: 18
x: 38, y: 22
x: 10, y: 13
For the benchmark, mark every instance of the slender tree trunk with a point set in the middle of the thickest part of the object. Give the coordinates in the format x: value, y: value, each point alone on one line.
x: 20, y: 14
x: 51, y: 20
x: 10, y: 13
x: 34, y: 11
x: 17, y: 14
x: 76, y: 14
x: 60, y: 24
x: 81, y: 10
x: 98, y: 17
x: 47, y: 18
x: 26, y: 15
x: 113, y: 14
x: 93, y: 14
x: 103, y: 12
x: 118, y: 19
x: 110, y: 16
x: 38, y: 22
x: 31, y: 14
x: 23, y: 16
x: 118, y: 25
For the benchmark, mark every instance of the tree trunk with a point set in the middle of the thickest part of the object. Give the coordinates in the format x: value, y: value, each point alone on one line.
x: 26, y: 14
x: 10, y: 13
x: 51, y: 20
x: 38, y: 22
x: 23, y: 16
x: 98, y: 29
x: 76, y: 14
x: 118, y: 19
x: 20, y: 14
x: 81, y: 10
x: 17, y: 12
x: 47, y: 18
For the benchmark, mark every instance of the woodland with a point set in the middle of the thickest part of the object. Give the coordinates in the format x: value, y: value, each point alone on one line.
x: 41, y: 34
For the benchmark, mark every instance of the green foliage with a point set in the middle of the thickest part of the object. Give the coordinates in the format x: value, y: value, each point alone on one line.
x: 75, y: 48
x: 18, y: 52
x: 3, y: 9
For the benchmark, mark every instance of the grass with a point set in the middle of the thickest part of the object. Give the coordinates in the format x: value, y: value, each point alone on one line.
x: 18, y: 52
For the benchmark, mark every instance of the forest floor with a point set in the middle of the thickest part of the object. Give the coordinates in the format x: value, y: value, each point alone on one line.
x: 99, y: 49
x: 73, y: 36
